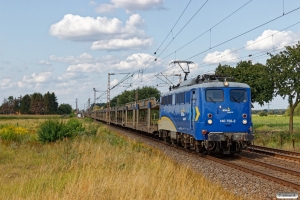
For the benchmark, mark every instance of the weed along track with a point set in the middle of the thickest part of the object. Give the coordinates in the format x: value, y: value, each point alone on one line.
x: 244, y: 176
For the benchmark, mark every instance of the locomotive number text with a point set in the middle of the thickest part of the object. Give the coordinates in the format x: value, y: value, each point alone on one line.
x: 227, y: 120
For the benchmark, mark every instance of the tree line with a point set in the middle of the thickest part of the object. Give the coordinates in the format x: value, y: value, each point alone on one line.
x: 35, y: 103
x: 279, y: 76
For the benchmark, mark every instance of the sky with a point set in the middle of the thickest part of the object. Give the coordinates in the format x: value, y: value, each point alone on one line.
x: 69, y: 47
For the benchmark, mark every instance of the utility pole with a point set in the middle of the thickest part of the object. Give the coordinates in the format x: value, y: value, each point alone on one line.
x: 94, y: 89
x: 108, y: 95
x: 108, y: 99
x: 76, y: 106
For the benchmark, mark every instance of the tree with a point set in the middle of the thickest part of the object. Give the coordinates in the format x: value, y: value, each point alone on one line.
x: 47, y: 99
x: 25, y: 104
x: 37, y: 103
x: 65, y: 108
x: 53, y: 106
x: 255, y: 75
x: 130, y: 96
x: 285, y: 68
x: 17, y: 104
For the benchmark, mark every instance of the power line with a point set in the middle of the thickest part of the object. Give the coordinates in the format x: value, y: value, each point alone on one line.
x: 183, y: 27
x: 243, y: 33
x: 173, y: 26
x: 253, y: 42
x: 146, y: 67
x: 208, y: 29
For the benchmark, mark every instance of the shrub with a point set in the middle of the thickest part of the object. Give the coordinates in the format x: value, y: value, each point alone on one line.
x: 53, y: 129
x: 263, y: 113
x: 50, y: 131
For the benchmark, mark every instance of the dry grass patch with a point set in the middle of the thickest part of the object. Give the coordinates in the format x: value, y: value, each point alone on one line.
x: 106, y: 166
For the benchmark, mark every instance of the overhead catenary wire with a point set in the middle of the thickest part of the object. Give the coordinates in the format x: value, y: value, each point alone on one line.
x: 145, y: 68
x: 231, y: 52
x: 244, y: 33
x: 209, y: 30
x: 184, y: 26
x: 226, y: 40
x: 201, y: 34
x: 173, y: 27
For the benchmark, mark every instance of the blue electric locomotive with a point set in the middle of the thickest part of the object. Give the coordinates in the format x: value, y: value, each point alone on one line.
x: 207, y: 113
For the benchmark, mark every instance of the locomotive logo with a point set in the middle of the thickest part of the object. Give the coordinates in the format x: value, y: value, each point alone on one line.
x: 182, y: 113
x: 226, y: 109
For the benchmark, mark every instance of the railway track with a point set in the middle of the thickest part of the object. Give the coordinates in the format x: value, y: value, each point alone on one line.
x: 278, y: 153
x: 281, y: 175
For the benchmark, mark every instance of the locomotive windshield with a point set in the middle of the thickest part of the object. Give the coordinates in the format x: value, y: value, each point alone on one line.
x: 238, y: 96
x: 214, y: 96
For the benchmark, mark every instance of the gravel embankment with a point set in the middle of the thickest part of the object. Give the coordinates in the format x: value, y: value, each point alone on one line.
x: 238, y: 182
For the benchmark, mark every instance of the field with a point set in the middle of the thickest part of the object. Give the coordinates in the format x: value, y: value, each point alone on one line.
x: 104, y: 166
x: 272, y: 131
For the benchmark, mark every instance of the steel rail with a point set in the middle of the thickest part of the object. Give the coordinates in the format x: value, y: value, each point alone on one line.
x: 276, y: 150
x: 275, y: 167
x: 273, y: 154
x: 256, y: 173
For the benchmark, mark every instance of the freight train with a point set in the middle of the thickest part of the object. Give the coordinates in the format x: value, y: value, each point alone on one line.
x: 208, y: 113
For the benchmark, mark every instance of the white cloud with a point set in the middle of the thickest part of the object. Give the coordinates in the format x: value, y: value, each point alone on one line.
x: 71, y: 75
x: 132, y: 62
x: 34, y: 80
x: 92, y: 3
x: 131, y: 6
x: 86, y: 67
x: 120, y: 44
x: 107, y: 34
x: 114, y: 82
x: 218, y: 57
x: 77, y: 28
x: 43, y: 62
x: 6, y: 83
x: 266, y: 41
x: 105, y: 8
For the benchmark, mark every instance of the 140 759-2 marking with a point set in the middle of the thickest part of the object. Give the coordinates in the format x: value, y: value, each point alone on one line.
x: 227, y: 120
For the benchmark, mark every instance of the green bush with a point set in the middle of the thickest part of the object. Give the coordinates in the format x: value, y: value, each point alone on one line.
x: 263, y: 113
x: 53, y: 129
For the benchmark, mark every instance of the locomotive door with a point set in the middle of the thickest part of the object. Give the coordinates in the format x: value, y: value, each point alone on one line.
x: 193, y: 110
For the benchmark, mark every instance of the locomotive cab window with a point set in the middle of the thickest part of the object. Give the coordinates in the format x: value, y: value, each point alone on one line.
x: 238, y: 96
x: 214, y: 95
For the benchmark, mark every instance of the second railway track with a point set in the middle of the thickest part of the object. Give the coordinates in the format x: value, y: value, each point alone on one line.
x: 278, y: 153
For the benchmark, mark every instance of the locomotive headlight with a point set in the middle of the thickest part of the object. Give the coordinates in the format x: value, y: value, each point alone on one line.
x: 209, y: 121
x: 244, y: 121
x: 226, y: 84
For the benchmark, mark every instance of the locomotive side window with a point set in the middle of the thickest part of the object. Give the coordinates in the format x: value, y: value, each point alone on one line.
x: 182, y: 98
x: 169, y: 99
x: 214, y: 96
x: 177, y: 99
x: 187, y: 97
x: 238, y: 96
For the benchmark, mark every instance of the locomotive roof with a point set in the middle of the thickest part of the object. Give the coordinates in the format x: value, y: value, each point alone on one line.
x: 213, y: 84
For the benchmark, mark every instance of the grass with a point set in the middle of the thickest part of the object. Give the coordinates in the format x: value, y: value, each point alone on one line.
x: 105, y: 166
x: 272, y: 131
x: 10, y: 117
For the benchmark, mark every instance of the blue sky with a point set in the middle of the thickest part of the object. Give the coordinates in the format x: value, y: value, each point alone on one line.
x: 69, y: 47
